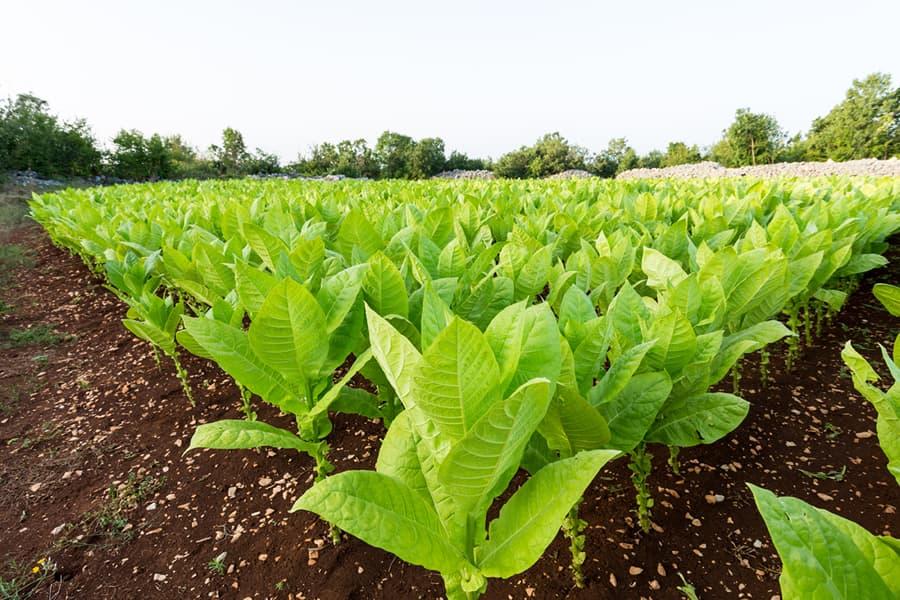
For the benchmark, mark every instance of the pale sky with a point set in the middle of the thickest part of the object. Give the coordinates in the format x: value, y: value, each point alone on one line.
x: 487, y: 77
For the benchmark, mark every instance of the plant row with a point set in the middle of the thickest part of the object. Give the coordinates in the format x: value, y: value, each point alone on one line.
x: 544, y: 326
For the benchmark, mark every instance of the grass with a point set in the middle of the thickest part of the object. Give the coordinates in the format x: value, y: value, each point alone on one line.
x: 834, y: 475
x: 27, y: 581
x: 13, y: 213
x: 14, y: 255
x: 41, y: 334
x: 110, y: 518
x: 217, y: 565
x: 48, y: 432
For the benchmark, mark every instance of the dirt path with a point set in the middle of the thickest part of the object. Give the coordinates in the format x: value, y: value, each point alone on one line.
x: 92, y: 474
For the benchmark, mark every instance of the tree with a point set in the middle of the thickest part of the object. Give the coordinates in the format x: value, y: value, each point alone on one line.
x: 461, y: 161
x: 865, y: 125
x: 679, y: 153
x: 137, y: 158
x: 393, y: 151
x: 33, y: 139
x: 753, y: 138
x: 551, y: 154
x: 427, y: 158
x: 608, y: 162
x: 231, y: 156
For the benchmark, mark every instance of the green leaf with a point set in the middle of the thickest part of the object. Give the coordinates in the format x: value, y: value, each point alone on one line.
x: 399, y: 458
x: 631, y: 413
x: 702, y: 419
x: 619, y: 374
x: 435, y: 314
x: 230, y: 348
x: 481, y: 465
x: 383, y: 284
x: 252, y: 285
x: 889, y: 295
x: 289, y: 332
x: 241, y: 434
x: 324, y: 403
x: 338, y: 294
x: 396, y: 356
x: 661, y: 270
x: 384, y: 512
x: 827, y: 557
x: 456, y: 381
x: 529, y: 521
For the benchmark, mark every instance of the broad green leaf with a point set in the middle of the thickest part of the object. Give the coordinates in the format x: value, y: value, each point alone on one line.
x: 827, y: 557
x: 889, y: 296
x: 338, y: 294
x: 384, y: 512
x: 529, y: 521
x: 632, y: 411
x: 230, y: 347
x: 456, y: 381
x: 481, y: 465
x: 289, y: 332
x: 242, y: 434
x: 252, y: 285
x: 399, y: 458
x: 396, y: 356
x: 384, y: 287
x: 704, y: 419
x: 661, y: 271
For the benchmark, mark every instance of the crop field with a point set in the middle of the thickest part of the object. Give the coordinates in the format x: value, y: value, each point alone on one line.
x: 461, y: 389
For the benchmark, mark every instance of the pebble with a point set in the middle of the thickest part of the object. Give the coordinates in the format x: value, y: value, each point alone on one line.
x: 159, y: 577
x: 635, y: 570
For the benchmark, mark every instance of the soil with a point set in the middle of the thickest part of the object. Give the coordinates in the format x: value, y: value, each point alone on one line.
x: 93, y: 474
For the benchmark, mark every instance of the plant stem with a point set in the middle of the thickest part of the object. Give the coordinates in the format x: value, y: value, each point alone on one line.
x: 736, y: 378
x: 673, y: 459
x: 764, y: 367
x: 573, y: 528
x: 641, y: 464
x: 183, y: 378
x: 246, y: 405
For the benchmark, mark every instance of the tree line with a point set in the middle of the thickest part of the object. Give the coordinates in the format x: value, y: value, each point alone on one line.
x: 865, y: 124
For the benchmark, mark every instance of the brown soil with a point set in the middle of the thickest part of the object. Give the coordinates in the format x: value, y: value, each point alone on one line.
x: 92, y: 473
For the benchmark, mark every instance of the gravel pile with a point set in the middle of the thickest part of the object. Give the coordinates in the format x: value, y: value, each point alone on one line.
x: 865, y: 166
x: 571, y: 174
x: 32, y: 179
x: 463, y: 174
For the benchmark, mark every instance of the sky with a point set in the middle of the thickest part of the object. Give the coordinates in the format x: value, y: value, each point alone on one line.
x: 487, y: 77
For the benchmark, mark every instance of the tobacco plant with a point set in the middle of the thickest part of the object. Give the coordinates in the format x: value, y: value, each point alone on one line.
x: 447, y: 456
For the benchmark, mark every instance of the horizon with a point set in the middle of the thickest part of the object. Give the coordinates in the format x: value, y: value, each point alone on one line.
x: 474, y: 77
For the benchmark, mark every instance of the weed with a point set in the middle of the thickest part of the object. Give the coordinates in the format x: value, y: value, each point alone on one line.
x: 40, y: 359
x: 280, y: 585
x: 25, y: 583
x: 834, y: 475
x: 14, y: 255
x: 42, y: 334
x: 110, y: 519
x: 4, y: 307
x: 832, y: 431
x: 47, y: 432
x: 13, y: 213
x: 217, y: 565
x: 687, y: 590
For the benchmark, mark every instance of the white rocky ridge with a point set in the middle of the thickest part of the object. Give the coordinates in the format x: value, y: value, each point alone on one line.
x: 708, y: 169
x: 464, y: 174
